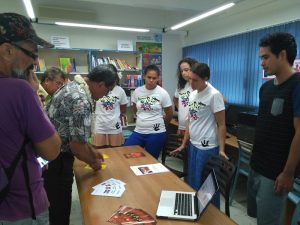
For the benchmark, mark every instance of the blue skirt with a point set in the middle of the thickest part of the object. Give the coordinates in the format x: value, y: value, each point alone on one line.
x: 196, y: 162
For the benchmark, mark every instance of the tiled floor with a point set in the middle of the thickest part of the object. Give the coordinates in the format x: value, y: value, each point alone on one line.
x: 237, y: 210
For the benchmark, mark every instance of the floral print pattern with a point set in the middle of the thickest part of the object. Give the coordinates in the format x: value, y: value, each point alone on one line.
x: 70, y: 111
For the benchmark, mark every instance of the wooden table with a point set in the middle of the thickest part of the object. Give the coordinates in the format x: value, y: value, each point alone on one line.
x: 231, y: 141
x: 141, y: 191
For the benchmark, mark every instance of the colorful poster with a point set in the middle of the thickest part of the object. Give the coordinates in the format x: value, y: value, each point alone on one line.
x: 146, y: 60
x: 151, y: 55
x: 155, y: 59
x: 147, y: 47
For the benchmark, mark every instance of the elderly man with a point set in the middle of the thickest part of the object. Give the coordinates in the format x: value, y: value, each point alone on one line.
x: 25, y: 130
x: 52, y: 79
x: 70, y: 109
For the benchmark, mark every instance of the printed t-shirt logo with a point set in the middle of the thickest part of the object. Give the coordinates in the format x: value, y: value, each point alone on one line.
x: 184, y: 98
x: 108, y: 102
x: 194, y: 108
x: 147, y: 102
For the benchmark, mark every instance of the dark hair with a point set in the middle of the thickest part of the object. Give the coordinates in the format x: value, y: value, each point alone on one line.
x: 181, y: 82
x: 114, y: 69
x: 281, y: 41
x: 202, y: 70
x: 102, y: 73
x: 51, y: 73
x: 150, y: 68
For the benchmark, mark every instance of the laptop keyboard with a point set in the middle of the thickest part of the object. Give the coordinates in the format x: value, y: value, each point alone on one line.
x: 183, y: 204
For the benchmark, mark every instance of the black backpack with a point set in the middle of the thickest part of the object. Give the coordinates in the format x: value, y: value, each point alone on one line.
x: 7, y: 173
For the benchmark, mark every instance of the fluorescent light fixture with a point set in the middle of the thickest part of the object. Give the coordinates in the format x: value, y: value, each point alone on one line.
x: 101, y: 27
x: 202, y: 16
x: 29, y: 9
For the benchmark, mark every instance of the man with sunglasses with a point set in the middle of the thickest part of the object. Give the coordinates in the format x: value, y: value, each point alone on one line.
x: 24, y: 126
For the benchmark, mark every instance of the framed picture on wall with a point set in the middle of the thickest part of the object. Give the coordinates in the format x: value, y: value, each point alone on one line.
x: 266, y: 76
x: 296, y: 67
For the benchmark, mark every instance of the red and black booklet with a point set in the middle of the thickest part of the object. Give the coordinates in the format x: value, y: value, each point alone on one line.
x: 134, y: 155
x: 126, y: 215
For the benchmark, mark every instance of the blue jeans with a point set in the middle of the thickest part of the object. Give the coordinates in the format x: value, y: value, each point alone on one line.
x: 153, y: 143
x: 262, y: 202
x: 196, y: 163
x: 41, y: 219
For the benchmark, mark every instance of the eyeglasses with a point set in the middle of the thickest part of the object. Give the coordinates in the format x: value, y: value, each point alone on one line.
x: 32, y: 55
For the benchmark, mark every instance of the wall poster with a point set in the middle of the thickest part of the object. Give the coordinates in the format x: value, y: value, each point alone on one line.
x: 152, y: 54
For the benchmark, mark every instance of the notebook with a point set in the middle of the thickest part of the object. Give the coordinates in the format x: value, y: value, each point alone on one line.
x: 187, y: 205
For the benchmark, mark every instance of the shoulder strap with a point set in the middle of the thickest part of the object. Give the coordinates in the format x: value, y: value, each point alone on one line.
x: 26, y: 175
x: 11, y: 170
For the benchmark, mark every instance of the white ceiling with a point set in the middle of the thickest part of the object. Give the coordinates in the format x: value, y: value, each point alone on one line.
x: 153, y: 14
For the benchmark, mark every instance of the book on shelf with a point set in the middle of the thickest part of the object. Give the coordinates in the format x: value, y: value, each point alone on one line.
x: 120, y: 64
x: 113, y: 62
x: 41, y: 67
x: 67, y: 65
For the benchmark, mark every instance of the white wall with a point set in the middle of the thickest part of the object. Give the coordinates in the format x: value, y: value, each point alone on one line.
x: 268, y: 14
x: 172, y: 54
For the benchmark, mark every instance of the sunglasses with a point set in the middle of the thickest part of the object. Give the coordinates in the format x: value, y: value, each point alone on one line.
x: 32, y: 55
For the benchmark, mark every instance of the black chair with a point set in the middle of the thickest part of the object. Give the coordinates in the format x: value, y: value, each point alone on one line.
x: 174, y: 141
x: 225, y: 171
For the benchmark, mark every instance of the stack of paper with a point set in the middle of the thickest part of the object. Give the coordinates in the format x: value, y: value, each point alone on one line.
x: 149, y: 169
x: 111, y: 187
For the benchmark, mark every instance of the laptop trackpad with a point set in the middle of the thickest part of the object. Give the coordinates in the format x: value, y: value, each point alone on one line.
x: 167, y: 201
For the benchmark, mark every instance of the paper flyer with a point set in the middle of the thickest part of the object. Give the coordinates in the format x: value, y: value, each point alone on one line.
x: 149, y: 169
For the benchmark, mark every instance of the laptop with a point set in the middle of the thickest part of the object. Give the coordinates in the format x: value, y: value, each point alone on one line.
x: 187, y: 205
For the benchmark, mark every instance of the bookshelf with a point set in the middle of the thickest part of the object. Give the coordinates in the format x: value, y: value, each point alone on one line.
x: 71, y: 61
x: 129, y: 66
x: 128, y: 63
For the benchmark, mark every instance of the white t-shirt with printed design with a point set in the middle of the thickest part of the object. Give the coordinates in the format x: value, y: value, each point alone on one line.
x: 108, y: 112
x: 202, y: 123
x: 150, y: 105
x: 183, y: 104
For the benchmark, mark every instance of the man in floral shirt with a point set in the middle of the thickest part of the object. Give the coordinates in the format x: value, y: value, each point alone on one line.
x: 70, y: 110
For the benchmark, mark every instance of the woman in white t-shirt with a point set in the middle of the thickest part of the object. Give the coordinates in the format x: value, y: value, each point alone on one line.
x: 153, y: 108
x: 206, y: 128
x: 182, y: 93
x: 108, y: 128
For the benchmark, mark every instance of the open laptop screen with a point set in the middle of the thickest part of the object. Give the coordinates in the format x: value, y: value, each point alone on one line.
x: 207, y: 191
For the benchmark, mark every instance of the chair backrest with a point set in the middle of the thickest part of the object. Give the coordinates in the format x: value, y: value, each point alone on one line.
x: 174, y: 141
x: 225, y: 172
x: 245, y: 152
x: 245, y: 139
